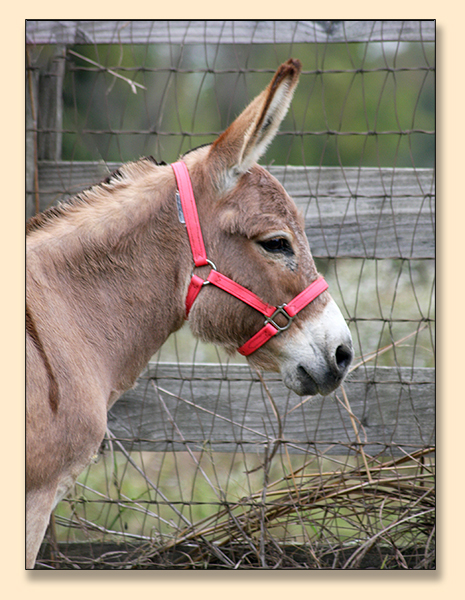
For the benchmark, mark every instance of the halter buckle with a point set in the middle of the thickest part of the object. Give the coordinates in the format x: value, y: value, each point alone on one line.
x: 280, y: 310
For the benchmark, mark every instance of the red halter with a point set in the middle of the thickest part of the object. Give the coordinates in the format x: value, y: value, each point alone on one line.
x: 271, y: 328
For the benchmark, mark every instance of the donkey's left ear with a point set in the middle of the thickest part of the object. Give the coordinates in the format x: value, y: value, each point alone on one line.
x: 247, y: 138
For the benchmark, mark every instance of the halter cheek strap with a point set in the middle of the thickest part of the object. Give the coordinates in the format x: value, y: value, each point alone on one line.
x: 191, y: 216
x: 271, y: 327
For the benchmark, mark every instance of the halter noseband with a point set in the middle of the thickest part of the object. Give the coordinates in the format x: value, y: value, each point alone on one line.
x: 271, y: 328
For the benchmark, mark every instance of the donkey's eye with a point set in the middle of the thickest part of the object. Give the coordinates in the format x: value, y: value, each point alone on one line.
x: 277, y: 245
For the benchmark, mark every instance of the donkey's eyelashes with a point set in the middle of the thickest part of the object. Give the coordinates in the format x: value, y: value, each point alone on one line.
x: 277, y: 245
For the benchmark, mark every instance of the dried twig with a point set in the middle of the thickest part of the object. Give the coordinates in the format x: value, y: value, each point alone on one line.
x: 133, y: 85
x: 353, y: 419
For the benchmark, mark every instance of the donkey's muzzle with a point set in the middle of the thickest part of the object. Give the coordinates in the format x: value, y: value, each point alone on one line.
x: 323, y: 381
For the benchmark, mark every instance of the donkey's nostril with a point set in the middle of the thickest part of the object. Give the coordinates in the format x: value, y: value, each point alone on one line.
x: 344, y: 355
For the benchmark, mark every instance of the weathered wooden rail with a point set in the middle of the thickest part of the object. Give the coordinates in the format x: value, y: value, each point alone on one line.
x: 349, y: 212
x: 223, y: 408
x: 226, y: 32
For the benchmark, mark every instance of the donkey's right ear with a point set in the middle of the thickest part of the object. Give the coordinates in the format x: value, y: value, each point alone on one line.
x: 247, y: 138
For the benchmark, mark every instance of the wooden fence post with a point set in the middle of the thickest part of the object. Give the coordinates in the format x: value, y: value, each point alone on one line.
x: 44, y: 111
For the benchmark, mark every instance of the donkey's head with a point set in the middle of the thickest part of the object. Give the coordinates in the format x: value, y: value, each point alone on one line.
x: 255, y: 236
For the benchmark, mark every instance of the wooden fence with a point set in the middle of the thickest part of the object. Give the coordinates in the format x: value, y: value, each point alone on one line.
x: 228, y: 407
x: 367, y: 213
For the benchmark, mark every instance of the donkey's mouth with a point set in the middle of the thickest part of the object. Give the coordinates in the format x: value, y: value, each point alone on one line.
x: 307, y: 386
x: 303, y: 383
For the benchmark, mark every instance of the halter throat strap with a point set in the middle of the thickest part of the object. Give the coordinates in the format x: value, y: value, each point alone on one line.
x: 194, y: 232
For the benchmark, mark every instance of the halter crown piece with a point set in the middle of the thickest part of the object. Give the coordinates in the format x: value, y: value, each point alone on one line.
x: 271, y: 328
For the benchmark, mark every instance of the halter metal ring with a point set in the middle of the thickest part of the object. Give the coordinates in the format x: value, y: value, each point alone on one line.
x: 280, y: 310
x: 212, y: 265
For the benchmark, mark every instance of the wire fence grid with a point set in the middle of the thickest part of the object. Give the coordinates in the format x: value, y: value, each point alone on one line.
x: 208, y: 464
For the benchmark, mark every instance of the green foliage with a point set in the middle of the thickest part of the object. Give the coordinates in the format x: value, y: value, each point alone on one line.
x: 364, y: 104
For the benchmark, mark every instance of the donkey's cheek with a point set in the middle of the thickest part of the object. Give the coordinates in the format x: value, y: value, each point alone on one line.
x: 317, y: 357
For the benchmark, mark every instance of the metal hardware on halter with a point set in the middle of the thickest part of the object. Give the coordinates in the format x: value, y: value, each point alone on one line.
x: 180, y: 211
x: 212, y: 265
x: 280, y: 310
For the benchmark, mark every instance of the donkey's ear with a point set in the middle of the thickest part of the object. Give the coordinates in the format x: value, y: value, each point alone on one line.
x: 247, y: 138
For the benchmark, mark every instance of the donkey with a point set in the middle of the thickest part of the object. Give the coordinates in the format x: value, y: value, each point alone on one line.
x: 108, y: 274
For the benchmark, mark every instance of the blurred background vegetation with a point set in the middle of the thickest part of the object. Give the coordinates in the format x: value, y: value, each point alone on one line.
x: 359, y: 104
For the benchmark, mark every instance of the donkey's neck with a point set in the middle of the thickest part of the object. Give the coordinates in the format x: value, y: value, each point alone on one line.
x: 119, y: 264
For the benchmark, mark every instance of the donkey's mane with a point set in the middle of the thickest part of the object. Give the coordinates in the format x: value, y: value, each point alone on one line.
x: 92, y: 194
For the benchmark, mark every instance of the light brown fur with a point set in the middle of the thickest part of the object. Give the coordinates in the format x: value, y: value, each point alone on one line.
x: 107, y: 277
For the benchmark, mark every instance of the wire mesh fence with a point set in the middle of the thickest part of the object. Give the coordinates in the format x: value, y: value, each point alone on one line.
x: 208, y: 464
